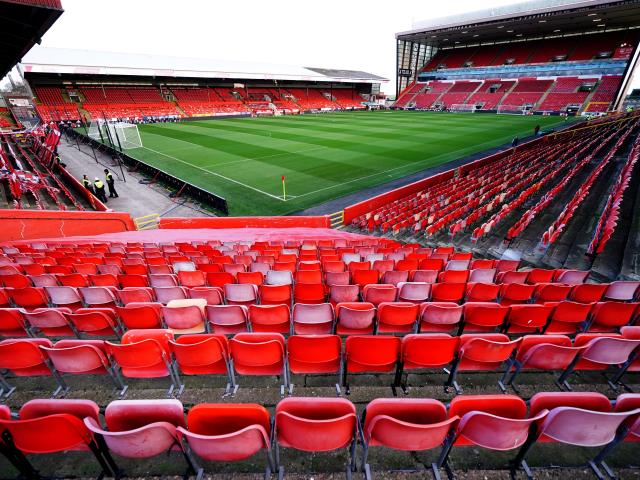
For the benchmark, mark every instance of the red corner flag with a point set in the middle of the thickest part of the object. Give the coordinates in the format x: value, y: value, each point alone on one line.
x: 284, y: 189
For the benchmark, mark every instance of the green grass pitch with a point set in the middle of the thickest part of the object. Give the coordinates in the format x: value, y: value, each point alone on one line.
x: 322, y: 157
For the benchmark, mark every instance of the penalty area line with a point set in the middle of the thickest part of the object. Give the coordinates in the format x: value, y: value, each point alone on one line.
x: 209, y: 172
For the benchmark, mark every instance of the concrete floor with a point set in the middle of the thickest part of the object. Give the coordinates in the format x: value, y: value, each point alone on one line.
x: 138, y: 199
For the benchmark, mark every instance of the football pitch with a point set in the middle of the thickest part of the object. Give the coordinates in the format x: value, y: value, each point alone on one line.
x: 322, y: 157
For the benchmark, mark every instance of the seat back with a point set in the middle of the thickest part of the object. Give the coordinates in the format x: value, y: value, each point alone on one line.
x: 314, y: 354
x: 315, y: 425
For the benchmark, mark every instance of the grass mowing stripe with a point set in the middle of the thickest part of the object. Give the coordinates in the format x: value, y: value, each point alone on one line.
x: 322, y: 156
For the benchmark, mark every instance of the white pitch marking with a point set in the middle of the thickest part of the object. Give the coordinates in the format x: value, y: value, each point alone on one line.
x: 209, y: 172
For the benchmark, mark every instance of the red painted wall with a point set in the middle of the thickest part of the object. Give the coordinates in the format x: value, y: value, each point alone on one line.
x: 353, y: 211
x: 246, y: 222
x: 27, y: 224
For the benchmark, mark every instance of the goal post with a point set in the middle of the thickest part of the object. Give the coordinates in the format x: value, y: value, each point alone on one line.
x: 126, y: 134
x: 513, y: 109
x: 120, y: 134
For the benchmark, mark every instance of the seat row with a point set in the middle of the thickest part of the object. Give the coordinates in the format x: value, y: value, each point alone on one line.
x: 343, y: 318
x: 216, y: 432
x: 249, y: 293
x: 156, y: 353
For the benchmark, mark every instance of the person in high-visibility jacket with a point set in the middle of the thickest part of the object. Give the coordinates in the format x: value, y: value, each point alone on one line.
x: 111, y: 184
x: 98, y: 186
x: 87, y: 183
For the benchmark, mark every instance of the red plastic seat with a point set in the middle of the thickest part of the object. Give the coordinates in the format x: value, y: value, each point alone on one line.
x: 202, y: 354
x: 343, y: 293
x: 259, y: 354
x: 141, y: 428
x: 81, y: 357
x: 275, y: 294
x: 219, y: 279
x: 507, y: 265
x: 100, y: 322
x: 50, y: 322
x: 588, y: 292
x: 146, y: 354
x: 482, y: 275
x: 377, y: 294
x: 425, y: 351
x: 213, y: 295
x: 453, y: 276
x: 53, y: 426
x: 98, y: 296
x: 540, y: 275
x: 278, y: 277
x: 482, y: 292
x: 165, y: 280
x: 196, y: 278
x: 601, y: 352
x: 393, y: 277
x: 397, y: 317
x: 128, y: 280
x: 316, y: 425
x: 439, y: 317
x: 484, y: 316
x: 314, y: 354
x: 240, y: 294
x: 570, y: 277
x: 140, y: 315
x: 527, y: 318
x: 568, y: 317
x: 12, y: 323
x: 541, y: 352
x: 411, y: 424
x: 104, y: 280
x: 424, y: 276
x: 482, y: 352
x: 227, y: 319
x: 313, y: 319
x: 333, y: 266
x: 254, y: 278
x: 414, y: 292
x: 184, y: 319
x: 234, y: 268
x: 580, y: 419
x: 73, y: 280
x: 28, y: 298
x: 269, y: 318
x: 365, y: 277
x: 46, y: 280
x: 623, y: 291
x: 15, y: 280
x: 165, y: 294
x: 228, y: 432
x: 551, y: 292
x: 23, y: 358
x: 494, y: 422
x: 510, y: 276
x: 516, y: 293
x: 355, y: 318
x: 134, y: 294
x: 610, y: 316
x: 370, y: 353
x: 448, y: 292
x: 436, y: 264
x: 309, y: 293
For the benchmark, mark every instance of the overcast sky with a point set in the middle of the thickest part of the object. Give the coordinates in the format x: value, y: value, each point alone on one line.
x: 350, y: 34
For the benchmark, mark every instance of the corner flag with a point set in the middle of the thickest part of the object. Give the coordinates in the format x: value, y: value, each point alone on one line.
x: 284, y: 189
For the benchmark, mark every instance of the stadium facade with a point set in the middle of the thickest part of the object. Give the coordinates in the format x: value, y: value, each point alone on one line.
x: 546, y: 56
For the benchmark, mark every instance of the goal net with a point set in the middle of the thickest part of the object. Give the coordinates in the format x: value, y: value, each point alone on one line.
x: 120, y: 135
x: 463, y: 107
x: 513, y: 109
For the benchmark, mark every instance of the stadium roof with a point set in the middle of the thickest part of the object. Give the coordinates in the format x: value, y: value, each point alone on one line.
x: 533, y: 19
x: 69, y: 61
x: 22, y: 24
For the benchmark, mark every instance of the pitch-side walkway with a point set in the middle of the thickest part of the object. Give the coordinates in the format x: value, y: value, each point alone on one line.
x: 134, y: 197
